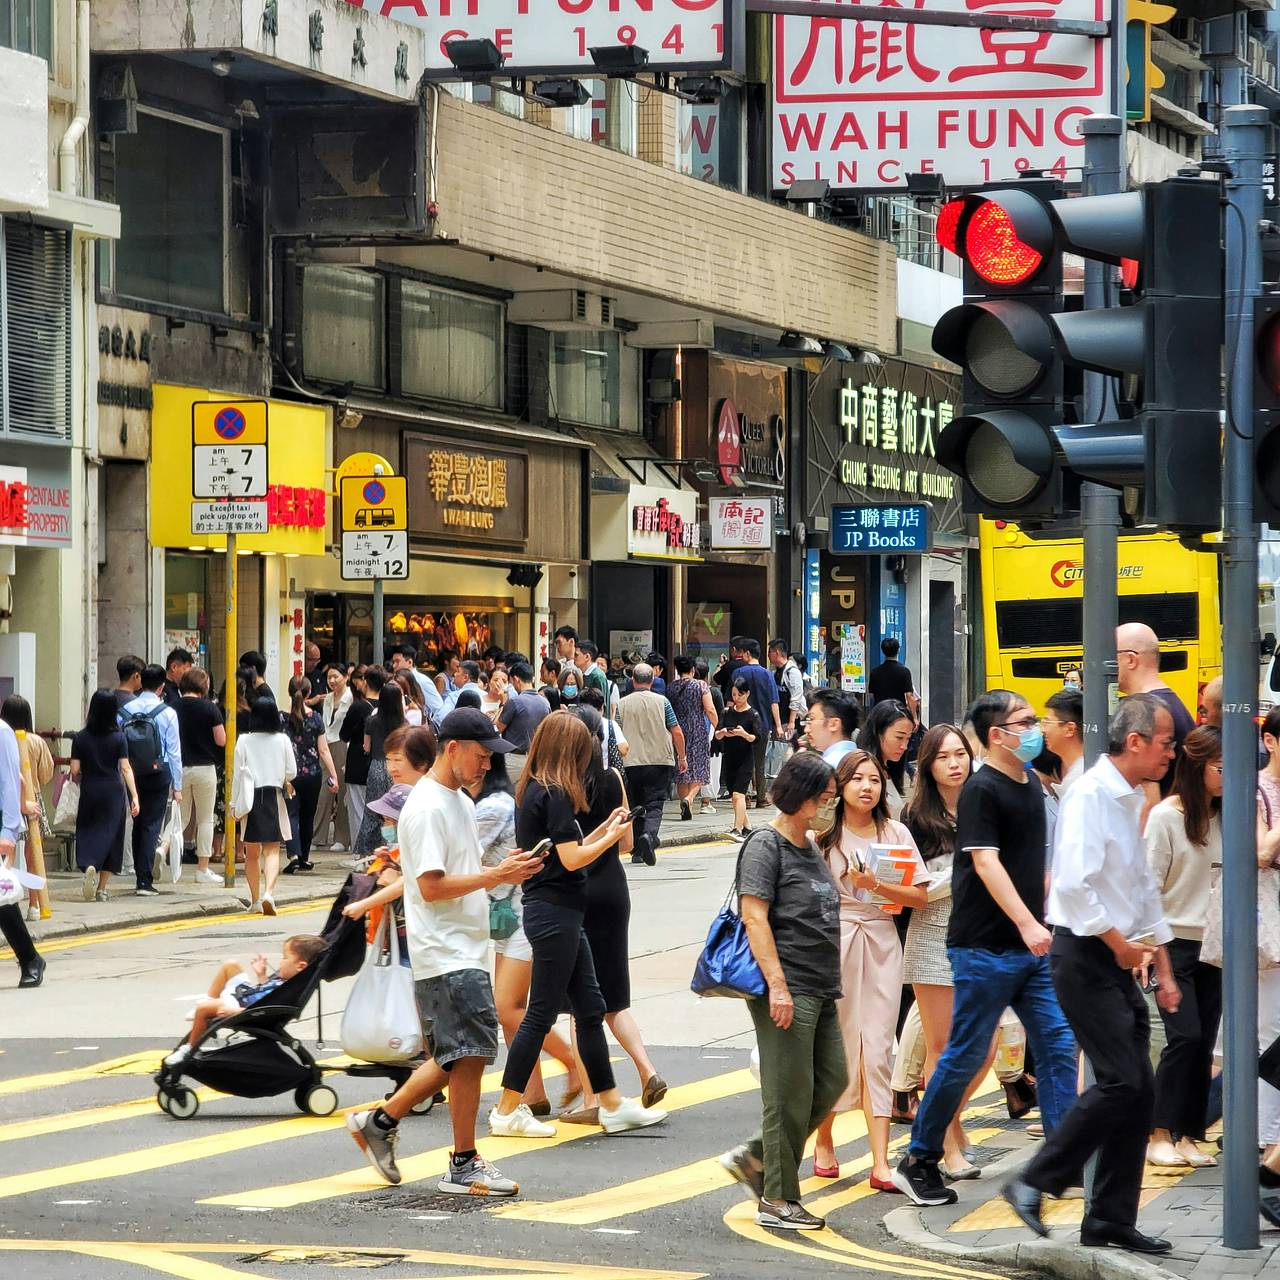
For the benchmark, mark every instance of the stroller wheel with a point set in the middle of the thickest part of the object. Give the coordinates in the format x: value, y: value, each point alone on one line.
x: 162, y: 1100
x: 316, y: 1100
x: 180, y: 1103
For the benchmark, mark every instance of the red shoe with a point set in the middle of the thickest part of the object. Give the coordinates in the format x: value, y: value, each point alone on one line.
x: 820, y: 1172
x: 890, y: 1187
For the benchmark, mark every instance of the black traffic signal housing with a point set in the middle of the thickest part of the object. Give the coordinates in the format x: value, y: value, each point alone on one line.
x: 1266, y: 406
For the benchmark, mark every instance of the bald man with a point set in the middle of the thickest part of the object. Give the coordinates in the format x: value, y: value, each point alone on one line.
x: 1138, y: 662
x: 1211, y: 700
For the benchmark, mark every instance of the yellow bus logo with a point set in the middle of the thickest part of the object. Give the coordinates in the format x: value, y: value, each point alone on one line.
x: 1065, y: 572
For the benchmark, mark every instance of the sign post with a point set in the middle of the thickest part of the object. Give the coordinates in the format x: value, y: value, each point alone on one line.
x: 375, y: 536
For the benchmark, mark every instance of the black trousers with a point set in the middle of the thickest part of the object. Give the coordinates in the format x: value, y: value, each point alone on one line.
x: 1108, y: 1014
x: 302, y: 815
x: 648, y: 785
x: 562, y: 967
x: 759, y: 749
x: 14, y: 928
x: 1182, y: 1077
x: 153, y: 801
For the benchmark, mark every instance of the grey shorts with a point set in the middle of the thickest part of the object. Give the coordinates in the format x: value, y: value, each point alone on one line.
x: 459, y: 1009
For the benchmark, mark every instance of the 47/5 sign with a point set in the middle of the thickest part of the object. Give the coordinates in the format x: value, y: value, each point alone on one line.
x: 863, y: 104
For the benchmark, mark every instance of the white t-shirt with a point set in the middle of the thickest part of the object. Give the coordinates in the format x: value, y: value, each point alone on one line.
x: 437, y: 832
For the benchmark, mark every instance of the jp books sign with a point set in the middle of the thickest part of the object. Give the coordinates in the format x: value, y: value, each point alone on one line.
x: 863, y: 104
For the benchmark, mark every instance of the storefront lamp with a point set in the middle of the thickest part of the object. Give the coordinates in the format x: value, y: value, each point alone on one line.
x: 221, y: 64
x: 703, y: 90
x: 475, y: 58
x: 800, y: 343
x: 808, y: 191
x: 561, y: 93
x: 619, y: 59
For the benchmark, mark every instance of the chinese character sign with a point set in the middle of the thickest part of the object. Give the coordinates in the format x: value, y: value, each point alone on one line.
x: 863, y: 104
x: 461, y: 490
x: 877, y: 530
x: 741, y: 524
x: 663, y: 522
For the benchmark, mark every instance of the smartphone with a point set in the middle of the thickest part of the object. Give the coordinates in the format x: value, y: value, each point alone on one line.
x: 634, y: 814
x: 541, y: 849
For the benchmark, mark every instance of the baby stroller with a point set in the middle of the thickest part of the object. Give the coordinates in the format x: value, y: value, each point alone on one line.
x: 253, y: 1054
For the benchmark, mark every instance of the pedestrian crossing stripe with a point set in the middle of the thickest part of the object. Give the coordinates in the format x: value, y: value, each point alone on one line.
x: 429, y: 1164
x: 131, y: 1064
x: 193, y: 1261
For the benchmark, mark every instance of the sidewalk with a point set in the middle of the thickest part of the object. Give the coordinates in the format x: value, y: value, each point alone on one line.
x: 1183, y: 1206
x: 186, y: 899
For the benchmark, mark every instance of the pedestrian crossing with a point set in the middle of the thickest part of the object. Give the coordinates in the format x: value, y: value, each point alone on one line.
x: 283, y: 1165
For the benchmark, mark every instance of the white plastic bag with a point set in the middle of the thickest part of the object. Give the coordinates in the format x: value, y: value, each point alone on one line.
x: 64, y: 816
x: 11, y: 890
x: 169, y: 849
x: 381, y: 1022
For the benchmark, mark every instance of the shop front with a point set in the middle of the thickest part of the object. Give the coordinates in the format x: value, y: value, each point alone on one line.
x: 192, y: 567
x: 886, y: 547
x: 493, y: 515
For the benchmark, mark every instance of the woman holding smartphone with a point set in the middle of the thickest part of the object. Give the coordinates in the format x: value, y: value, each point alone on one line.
x: 549, y: 796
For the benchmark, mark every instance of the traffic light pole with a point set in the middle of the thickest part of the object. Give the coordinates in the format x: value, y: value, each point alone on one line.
x: 1105, y: 170
x: 1243, y: 139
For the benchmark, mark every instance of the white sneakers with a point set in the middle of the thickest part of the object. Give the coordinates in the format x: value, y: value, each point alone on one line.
x: 521, y: 1123
x: 89, y: 883
x: 629, y: 1114
x: 178, y: 1056
x: 268, y: 905
x: 208, y: 876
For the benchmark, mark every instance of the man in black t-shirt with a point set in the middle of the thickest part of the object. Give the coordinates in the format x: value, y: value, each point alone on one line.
x: 1138, y: 671
x: 996, y: 941
x: 890, y: 681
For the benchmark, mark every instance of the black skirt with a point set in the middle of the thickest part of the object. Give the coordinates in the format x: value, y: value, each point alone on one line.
x: 262, y: 822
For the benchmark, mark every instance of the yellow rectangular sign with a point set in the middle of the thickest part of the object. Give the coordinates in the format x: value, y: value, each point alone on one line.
x: 234, y: 422
x: 375, y: 502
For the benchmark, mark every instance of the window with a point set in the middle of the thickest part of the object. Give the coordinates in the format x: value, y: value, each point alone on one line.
x: 343, y: 326
x: 451, y: 344
x: 584, y: 377
x: 170, y: 183
x: 27, y: 25
x: 35, y: 308
x: 709, y: 139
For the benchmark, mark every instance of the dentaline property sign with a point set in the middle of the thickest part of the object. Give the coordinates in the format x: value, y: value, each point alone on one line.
x: 557, y: 36
x: 863, y: 104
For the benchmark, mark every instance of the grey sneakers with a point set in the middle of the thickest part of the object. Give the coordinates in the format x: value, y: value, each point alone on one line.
x: 379, y: 1146
x: 476, y: 1178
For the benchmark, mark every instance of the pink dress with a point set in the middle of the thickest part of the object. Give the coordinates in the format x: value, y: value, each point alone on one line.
x: 870, y: 974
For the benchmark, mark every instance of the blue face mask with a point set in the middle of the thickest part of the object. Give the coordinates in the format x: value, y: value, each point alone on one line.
x: 388, y: 833
x: 1030, y: 744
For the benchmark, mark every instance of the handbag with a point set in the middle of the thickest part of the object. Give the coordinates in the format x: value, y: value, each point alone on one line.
x: 64, y: 814
x: 1268, y: 913
x: 503, y: 921
x: 11, y: 890
x: 381, y: 1021
x: 727, y: 966
x: 169, y: 850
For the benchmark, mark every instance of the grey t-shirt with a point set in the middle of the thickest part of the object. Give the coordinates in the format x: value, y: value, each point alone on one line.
x: 804, y: 909
x: 521, y: 717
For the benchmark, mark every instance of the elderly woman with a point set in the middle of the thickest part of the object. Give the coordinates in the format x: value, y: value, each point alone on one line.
x: 791, y: 907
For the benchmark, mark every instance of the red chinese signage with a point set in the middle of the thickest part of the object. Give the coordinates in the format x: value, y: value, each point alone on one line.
x: 296, y: 508
x: 15, y: 513
x: 659, y: 518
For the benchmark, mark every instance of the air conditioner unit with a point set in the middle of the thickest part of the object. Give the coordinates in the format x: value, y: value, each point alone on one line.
x: 562, y: 310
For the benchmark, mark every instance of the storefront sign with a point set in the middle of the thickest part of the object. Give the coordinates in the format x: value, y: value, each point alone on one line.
x: 853, y: 657
x: 461, y: 493
x: 663, y: 523
x: 291, y: 520
x: 864, y: 530
x: 895, y: 422
x: 630, y: 646
x: 815, y: 634
x: 741, y: 524
x: 15, y: 516
x: 126, y: 349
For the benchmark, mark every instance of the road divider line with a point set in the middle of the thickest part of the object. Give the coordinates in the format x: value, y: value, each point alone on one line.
x: 131, y: 1064
x: 430, y: 1164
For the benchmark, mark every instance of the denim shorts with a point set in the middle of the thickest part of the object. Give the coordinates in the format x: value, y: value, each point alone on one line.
x: 459, y: 1009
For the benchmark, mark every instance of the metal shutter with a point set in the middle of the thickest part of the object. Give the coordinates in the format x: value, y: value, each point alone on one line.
x: 37, y: 318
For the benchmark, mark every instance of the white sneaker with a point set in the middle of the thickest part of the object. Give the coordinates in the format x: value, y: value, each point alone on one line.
x: 208, y: 877
x: 33, y: 913
x: 268, y: 905
x: 89, y: 883
x: 521, y: 1123
x: 629, y: 1114
x: 178, y: 1056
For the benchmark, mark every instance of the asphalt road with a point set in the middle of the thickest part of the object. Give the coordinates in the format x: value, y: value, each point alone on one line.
x: 96, y: 1181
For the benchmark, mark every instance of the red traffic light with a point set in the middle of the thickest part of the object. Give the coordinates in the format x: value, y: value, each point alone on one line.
x: 1129, y: 272
x: 949, y: 224
x: 1267, y: 352
x: 993, y: 249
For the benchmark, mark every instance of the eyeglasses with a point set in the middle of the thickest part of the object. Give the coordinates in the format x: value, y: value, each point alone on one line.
x: 1027, y: 722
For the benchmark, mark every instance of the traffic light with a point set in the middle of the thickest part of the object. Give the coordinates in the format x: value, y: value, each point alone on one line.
x: 1266, y: 408
x: 1143, y: 74
x: 1165, y: 446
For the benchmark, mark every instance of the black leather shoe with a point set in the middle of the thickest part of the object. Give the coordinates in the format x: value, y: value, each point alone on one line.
x: 1024, y: 1200
x: 33, y: 973
x: 1097, y: 1231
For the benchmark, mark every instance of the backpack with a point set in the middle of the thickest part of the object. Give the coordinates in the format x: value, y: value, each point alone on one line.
x: 142, y: 738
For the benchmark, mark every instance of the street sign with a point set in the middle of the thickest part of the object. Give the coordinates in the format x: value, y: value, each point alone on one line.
x: 363, y: 464
x: 376, y: 503
x: 229, y: 471
x: 228, y: 517
x: 229, y: 422
x: 874, y: 530
x: 375, y: 554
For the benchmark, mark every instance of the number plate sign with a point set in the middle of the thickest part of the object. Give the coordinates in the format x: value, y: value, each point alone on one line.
x: 229, y: 471
x: 375, y: 554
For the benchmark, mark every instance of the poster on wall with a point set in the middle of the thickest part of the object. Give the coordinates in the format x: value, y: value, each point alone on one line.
x: 853, y: 657
x: 630, y: 645
x: 708, y: 627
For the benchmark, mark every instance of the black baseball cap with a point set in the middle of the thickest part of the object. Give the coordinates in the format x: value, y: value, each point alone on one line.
x: 470, y: 724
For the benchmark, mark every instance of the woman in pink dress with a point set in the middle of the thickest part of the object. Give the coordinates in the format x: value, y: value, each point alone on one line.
x: 870, y: 954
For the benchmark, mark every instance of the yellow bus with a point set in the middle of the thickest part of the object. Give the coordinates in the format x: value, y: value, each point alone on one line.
x: 1032, y: 601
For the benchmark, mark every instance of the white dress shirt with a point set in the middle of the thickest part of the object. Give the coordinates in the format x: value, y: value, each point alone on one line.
x: 1101, y: 879
x: 334, y: 711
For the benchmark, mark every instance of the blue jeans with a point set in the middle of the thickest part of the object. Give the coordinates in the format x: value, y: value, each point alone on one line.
x: 986, y: 983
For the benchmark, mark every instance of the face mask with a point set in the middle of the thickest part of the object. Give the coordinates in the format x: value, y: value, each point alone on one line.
x: 569, y: 693
x: 1030, y: 744
x: 1071, y: 684
x: 825, y: 816
x: 388, y: 833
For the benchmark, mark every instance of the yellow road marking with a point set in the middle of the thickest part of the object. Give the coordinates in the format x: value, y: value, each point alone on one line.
x: 429, y: 1164
x: 190, y: 1262
x: 131, y: 1064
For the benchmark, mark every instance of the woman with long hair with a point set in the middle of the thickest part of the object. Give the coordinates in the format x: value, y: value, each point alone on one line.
x: 570, y: 685
x: 15, y: 711
x: 495, y: 799
x: 691, y: 701
x: 870, y: 954
x: 388, y: 717
x: 549, y: 796
x: 100, y: 764
x: 607, y: 921
x: 943, y: 766
x: 304, y: 727
x: 886, y: 735
x: 356, y: 770
x: 1184, y: 843
x: 262, y: 775
x: 415, y: 702
x: 737, y: 732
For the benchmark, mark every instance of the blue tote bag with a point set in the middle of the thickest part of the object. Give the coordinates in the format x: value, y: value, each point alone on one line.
x: 726, y: 966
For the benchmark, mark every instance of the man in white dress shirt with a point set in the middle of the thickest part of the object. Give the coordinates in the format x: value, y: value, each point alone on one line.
x: 1108, y: 924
